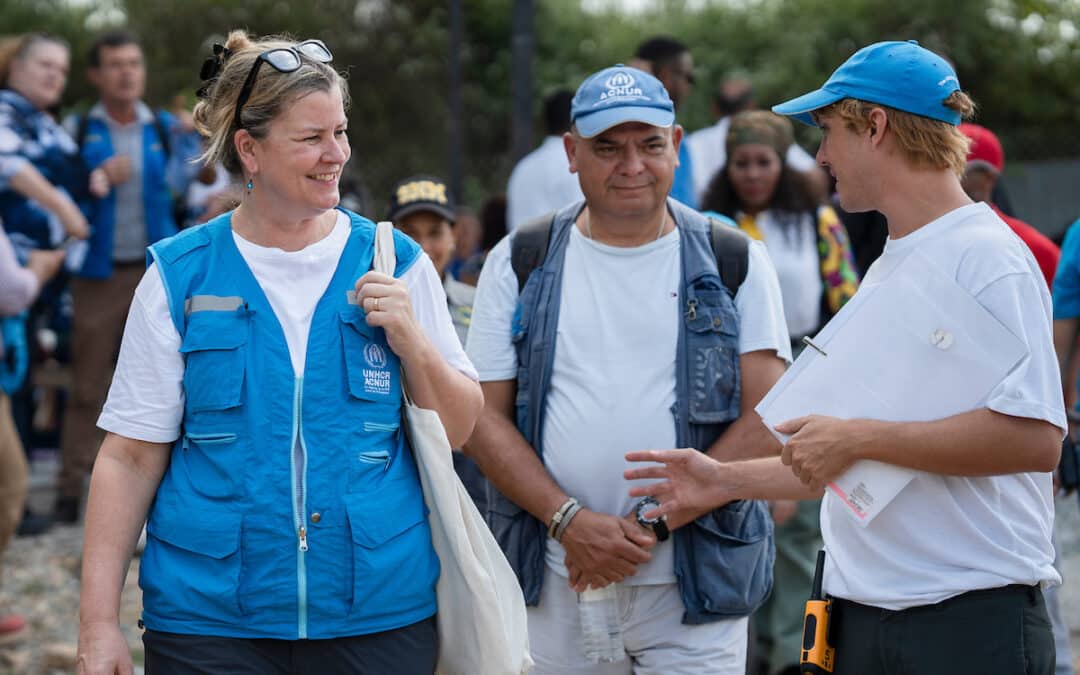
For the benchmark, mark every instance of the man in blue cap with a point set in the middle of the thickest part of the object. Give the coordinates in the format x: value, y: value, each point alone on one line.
x: 629, y: 327
x: 946, y: 578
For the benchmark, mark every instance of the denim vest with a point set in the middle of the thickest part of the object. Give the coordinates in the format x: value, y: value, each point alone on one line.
x: 156, y: 194
x: 291, y: 507
x: 724, y: 559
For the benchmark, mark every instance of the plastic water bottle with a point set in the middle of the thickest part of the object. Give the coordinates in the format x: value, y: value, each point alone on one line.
x: 600, y: 629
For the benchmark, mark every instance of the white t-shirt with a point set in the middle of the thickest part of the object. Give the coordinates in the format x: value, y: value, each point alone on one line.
x: 613, y: 380
x: 793, y: 250
x: 946, y: 535
x: 540, y: 183
x: 146, y: 399
x: 708, y: 152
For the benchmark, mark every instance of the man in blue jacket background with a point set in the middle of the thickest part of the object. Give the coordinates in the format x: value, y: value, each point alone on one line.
x: 146, y: 155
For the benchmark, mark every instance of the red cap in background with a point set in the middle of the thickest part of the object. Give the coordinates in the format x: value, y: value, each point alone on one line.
x: 985, y: 147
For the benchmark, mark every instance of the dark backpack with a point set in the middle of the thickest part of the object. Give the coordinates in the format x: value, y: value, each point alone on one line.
x: 731, y: 248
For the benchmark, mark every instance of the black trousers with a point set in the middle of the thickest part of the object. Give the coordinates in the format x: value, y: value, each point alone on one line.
x: 1003, y: 631
x: 411, y: 650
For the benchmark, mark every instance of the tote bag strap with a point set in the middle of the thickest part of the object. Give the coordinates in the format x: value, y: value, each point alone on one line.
x: 384, y: 263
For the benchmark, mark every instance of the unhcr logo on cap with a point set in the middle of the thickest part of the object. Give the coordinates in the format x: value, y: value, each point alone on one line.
x: 621, y: 83
x: 618, y: 95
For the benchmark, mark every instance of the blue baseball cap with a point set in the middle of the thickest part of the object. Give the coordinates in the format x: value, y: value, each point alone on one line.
x: 618, y: 95
x: 901, y: 75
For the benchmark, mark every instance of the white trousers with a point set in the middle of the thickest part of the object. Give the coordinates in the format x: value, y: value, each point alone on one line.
x: 656, y: 640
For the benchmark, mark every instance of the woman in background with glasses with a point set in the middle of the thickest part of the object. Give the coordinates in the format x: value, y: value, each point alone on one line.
x: 254, y: 416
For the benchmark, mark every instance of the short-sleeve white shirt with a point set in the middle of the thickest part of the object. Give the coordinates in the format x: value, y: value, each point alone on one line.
x: 540, y: 183
x: 946, y: 535
x: 146, y: 399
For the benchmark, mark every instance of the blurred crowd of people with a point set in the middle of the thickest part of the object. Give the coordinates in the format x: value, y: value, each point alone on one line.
x: 83, y: 196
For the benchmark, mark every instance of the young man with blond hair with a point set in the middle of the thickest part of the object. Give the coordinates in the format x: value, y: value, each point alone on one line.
x: 946, y: 579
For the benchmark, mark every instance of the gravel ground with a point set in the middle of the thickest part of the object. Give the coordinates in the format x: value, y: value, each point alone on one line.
x: 39, y: 579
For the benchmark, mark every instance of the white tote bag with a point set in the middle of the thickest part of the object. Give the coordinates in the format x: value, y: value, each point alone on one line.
x: 482, y: 625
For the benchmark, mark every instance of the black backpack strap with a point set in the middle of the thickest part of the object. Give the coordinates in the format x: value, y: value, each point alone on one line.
x: 529, y: 245
x: 162, y: 132
x: 732, y: 250
x: 80, y: 131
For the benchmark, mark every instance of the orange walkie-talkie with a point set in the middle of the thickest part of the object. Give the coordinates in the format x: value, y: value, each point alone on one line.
x: 818, y: 656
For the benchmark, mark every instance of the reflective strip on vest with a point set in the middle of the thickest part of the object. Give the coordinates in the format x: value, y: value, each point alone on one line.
x: 212, y: 303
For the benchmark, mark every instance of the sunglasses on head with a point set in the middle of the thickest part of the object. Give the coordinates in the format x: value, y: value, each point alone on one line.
x: 284, y: 60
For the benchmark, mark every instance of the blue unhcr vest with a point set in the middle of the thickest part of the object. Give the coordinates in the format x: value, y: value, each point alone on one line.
x: 724, y: 559
x: 156, y: 194
x: 291, y: 507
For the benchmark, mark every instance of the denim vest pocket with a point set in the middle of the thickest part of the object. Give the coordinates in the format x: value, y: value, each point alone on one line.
x: 712, y: 338
x: 191, y: 566
x: 213, y: 345
x: 734, y: 557
x: 522, y: 538
x: 519, y: 337
x: 502, y: 514
x: 394, y: 564
x: 373, y: 370
x: 209, y: 460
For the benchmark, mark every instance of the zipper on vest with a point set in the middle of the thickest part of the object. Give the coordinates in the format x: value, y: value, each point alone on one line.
x: 299, y: 496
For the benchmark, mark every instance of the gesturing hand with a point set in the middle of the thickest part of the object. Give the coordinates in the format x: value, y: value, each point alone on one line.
x: 820, y: 448
x: 603, y: 549
x: 688, y: 488
x: 45, y: 263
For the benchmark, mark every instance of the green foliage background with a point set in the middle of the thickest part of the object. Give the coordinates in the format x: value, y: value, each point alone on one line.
x: 1019, y: 59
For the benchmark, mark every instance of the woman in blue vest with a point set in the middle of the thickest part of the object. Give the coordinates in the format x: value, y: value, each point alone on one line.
x: 254, y: 416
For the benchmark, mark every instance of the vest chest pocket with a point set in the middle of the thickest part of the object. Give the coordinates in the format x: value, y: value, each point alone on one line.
x: 712, y: 340
x: 213, y: 346
x: 373, y: 371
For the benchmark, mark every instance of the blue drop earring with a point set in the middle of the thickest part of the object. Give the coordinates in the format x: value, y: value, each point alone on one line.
x: 250, y: 186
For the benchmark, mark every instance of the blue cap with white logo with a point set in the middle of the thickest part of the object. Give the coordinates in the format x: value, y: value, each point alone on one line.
x: 618, y: 95
x: 900, y: 75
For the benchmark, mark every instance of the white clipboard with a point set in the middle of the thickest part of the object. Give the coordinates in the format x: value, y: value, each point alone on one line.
x: 914, y: 347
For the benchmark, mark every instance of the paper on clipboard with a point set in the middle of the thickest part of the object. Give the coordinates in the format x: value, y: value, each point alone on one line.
x: 916, y: 347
